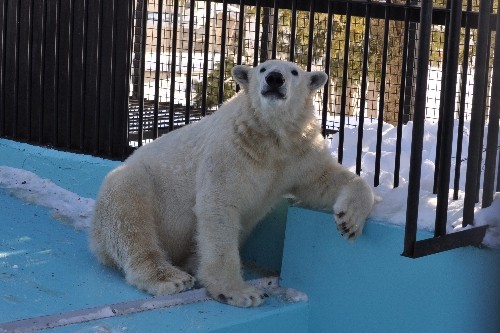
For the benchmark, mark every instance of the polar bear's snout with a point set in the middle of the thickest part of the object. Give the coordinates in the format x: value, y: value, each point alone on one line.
x: 274, y: 85
x: 275, y: 80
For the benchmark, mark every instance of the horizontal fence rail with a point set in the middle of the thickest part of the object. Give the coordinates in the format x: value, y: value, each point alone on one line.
x: 104, y: 77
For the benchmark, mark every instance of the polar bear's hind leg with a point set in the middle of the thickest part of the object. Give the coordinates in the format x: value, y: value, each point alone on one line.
x: 125, y: 235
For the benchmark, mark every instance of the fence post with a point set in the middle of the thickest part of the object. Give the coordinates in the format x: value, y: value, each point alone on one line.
x: 477, y: 112
x: 418, y: 128
x: 448, y: 106
x: 492, y: 140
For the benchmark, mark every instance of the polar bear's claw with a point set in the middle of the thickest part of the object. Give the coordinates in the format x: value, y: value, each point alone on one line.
x: 350, y: 225
x: 352, y: 208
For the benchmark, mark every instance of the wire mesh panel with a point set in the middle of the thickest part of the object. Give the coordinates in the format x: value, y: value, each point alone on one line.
x: 254, y: 31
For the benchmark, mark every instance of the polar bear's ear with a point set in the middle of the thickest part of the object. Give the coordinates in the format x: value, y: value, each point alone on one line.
x: 317, y: 80
x: 240, y: 74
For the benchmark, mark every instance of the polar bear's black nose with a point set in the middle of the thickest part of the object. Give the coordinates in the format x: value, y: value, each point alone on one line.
x: 275, y: 79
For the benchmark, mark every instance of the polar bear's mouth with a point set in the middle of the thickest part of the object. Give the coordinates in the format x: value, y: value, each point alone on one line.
x: 273, y: 93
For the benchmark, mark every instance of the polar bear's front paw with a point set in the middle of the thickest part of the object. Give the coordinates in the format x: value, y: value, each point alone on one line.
x: 349, y: 226
x: 352, y: 208
x: 244, y: 297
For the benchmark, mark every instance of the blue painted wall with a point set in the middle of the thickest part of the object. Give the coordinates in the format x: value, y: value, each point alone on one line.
x: 367, y: 286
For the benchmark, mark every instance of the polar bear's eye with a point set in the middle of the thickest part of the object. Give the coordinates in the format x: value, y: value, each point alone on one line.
x: 262, y: 70
x: 294, y: 72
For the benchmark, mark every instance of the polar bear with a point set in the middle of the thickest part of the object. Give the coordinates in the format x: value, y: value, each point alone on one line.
x: 182, y: 204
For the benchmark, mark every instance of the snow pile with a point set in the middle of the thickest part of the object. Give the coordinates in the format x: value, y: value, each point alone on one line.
x: 65, y: 206
x: 392, y: 208
x: 489, y: 216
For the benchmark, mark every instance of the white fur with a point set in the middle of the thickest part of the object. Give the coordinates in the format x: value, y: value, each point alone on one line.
x: 184, y: 203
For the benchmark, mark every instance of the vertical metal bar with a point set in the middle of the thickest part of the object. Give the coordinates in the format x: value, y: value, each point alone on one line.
x: 275, y: 29
x: 380, y: 123
x: 120, y: 140
x: 37, y: 68
x: 444, y: 81
x: 326, y: 91
x: 399, y: 128
x: 448, y: 121
x: 498, y: 174
x: 310, y: 41
x: 492, y: 139
x: 144, y: 19
x: 106, y: 82
x: 157, y: 69
x: 93, y: 47
x: 241, y: 18
x: 364, y: 75
x: 11, y: 67
x: 50, y: 76
x: 257, y: 34
x: 410, y: 68
x: 205, y: 59
x: 78, y: 78
x: 418, y: 128
x: 241, y: 35
x: 343, y: 98
x: 264, y: 38
x: 189, y: 73
x: 173, y: 66
x: 293, y: 31
x: 463, y: 95
x: 65, y: 72
x: 222, y: 65
x: 3, y: 31
x: 477, y: 112
x: 24, y: 94
x: 483, y: 119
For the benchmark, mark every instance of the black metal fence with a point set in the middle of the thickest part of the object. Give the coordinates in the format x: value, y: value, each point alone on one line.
x: 102, y: 77
x: 64, y: 71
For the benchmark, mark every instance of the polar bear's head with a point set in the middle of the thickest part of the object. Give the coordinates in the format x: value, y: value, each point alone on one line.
x: 277, y: 85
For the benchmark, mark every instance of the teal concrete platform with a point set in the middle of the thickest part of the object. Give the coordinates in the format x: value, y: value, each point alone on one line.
x: 367, y: 286
x: 46, y: 269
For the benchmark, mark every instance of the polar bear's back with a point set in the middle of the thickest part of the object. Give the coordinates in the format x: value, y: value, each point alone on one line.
x: 194, y: 139
x: 170, y: 164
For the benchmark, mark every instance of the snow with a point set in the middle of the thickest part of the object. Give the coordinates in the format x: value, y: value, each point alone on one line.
x: 392, y: 208
x: 77, y: 211
x: 64, y: 205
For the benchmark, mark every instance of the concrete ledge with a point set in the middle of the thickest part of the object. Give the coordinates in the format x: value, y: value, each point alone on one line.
x: 367, y: 286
